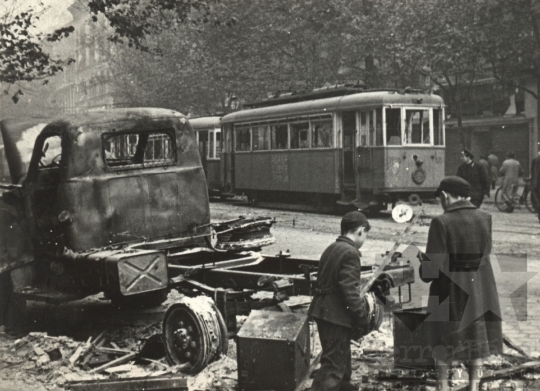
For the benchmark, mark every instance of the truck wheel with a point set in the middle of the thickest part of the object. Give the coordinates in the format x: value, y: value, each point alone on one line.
x: 194, y: 334
x: 141, y: 300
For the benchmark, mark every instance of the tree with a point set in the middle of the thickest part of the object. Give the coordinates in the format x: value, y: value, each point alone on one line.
x: 430, y: 37
x: 23, y: 57
x: 264, y: 47
x: 23, y: 51
x: 511, y: 34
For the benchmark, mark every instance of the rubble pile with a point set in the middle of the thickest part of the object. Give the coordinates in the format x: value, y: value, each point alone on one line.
x: 221, y: 375
x: 39, y: 358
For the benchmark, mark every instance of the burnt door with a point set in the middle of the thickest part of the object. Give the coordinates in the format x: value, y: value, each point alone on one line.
x: 348, y: 119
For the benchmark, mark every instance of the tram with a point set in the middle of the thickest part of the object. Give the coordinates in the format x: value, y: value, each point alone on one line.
x: 208, y: 132
x: 344, y: 145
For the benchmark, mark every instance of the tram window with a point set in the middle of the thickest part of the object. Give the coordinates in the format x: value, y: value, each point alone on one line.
x: 417, y: 127
x: 363, y: 129
x: 378, y: 127
x: 211, y: 145
x: 393, y: 126
x: 375, y: 127
x: 299, y: 135
x: 203, y: 143
x: 280, y: 136
x: 438, y: 138
x: 260, y: 138
x: 243, y: 139
x: 218, y: 145
x: 321, y: 134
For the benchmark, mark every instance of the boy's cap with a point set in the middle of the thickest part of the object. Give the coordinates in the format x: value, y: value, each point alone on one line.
x: 454, y: 185
x: 353, y: 220
x: 468, y: 153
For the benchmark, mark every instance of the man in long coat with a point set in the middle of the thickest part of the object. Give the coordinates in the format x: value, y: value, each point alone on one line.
x: 535, y: 183
x: 463, y: 303
x: 476, y: 176
x: 510, y: 171
x: 338, y: 309
x: 493, y: 162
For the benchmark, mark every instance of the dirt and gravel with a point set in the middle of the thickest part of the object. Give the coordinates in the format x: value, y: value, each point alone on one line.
x: 41, y: 361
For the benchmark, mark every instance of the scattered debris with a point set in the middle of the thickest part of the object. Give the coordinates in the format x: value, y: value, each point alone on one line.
x: 140, y: 383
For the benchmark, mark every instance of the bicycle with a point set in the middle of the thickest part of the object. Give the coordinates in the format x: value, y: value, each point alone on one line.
x: 524, y: 199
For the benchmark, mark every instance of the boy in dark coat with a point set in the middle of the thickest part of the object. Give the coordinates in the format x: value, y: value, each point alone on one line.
x: 338, y: 309
x: 476, y: 176
x: 463, y: 300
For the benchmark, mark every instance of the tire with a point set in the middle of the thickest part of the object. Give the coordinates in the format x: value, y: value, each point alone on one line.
x: 499, y: 202
x: 414, y: 200
x: 141, y: 300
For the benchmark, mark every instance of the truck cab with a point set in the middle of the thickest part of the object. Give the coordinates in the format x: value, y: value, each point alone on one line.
x: 99, y: 187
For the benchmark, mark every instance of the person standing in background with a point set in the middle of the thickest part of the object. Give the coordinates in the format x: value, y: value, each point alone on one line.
x: 510, y: 171
x: 535, y: 183
x: 476, y: 176
x: 482, y: 162
x: 493, y: 162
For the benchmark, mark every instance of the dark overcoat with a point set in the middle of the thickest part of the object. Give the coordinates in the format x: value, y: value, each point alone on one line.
x: 477, y: 178
x: 463, y: 300
x: 337, y: 296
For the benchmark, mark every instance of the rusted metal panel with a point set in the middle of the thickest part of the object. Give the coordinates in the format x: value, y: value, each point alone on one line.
x: 142, y: 271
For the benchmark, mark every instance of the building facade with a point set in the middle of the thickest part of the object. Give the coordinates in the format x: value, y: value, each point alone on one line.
x: 495, y: 120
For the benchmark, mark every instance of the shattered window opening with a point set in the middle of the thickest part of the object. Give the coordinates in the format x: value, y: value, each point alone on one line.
x: 123, y: 151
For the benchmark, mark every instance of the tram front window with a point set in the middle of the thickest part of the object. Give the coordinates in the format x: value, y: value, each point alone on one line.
x: 393, y: 126
x: 417, y: 127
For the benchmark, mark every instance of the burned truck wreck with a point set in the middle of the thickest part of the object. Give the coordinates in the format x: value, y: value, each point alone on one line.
x: 117, y: 202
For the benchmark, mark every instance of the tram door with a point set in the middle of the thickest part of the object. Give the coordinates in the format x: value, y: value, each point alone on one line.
x: 348, y: 119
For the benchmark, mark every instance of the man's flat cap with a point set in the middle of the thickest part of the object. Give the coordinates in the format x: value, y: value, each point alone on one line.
x: 353, y: 220
x: 454, y: 185
x: 468, y: 153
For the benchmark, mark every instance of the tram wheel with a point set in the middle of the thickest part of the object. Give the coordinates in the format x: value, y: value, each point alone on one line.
x: 194, y: 333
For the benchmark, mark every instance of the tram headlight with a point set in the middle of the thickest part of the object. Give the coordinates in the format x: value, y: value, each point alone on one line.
x: 419, y: 176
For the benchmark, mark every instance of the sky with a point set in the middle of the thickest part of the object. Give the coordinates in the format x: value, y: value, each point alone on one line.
x: 54, y: 13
